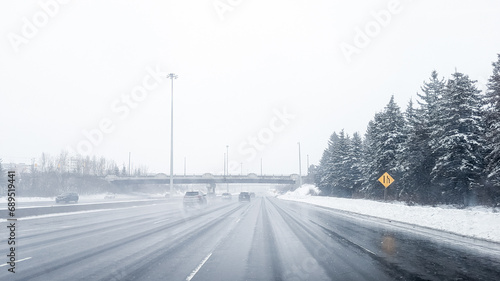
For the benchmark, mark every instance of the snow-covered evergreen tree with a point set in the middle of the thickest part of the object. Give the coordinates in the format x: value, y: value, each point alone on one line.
x: 339, y: 171
x: 369, y: 169
x: 355, y: 162
x: 493, y: 133
x: 323, y: 178
x: 428, y: 118
x: 458, y: 140
x: 416, y: 158
x: 385, y: 136
x: 341, y: 181
x: 432, y: 92
x: 410, y: 156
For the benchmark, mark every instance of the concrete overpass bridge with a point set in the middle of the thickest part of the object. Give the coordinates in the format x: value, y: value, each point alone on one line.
x: 208, y: 179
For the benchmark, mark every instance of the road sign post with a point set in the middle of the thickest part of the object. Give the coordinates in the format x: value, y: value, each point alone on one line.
x: 386, y: 180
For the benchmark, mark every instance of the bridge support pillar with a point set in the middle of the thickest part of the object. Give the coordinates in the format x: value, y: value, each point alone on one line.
x: 211, y: 187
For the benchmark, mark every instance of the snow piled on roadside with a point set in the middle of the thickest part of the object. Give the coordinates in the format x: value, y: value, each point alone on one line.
x: 306, y: 189
x: 476, y: 222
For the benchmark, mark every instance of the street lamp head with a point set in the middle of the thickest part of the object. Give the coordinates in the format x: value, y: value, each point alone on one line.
x: 172, y: 76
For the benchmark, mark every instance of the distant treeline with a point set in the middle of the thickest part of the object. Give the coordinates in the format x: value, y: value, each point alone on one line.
x: 444, y: 150
x: 50, y: 176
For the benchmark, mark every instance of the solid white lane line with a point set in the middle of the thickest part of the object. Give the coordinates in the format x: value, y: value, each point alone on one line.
x: 198, y: 268
x: 16, y: 261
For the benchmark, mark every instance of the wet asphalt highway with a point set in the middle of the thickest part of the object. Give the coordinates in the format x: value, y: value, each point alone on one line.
x: 267, y: 239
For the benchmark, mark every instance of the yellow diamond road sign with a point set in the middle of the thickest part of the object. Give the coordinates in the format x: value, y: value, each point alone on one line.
x: 386, y: 180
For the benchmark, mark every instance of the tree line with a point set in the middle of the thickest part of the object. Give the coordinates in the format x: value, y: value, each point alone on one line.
x: 50, y: 175
x: 443, y: 150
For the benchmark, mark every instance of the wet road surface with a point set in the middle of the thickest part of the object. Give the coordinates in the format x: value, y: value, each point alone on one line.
x: 266, y: 239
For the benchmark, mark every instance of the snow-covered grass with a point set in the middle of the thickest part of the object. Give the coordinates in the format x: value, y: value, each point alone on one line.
x: 476, y: 222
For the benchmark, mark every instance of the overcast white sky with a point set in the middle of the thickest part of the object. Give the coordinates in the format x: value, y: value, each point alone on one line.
x: 257, y: 75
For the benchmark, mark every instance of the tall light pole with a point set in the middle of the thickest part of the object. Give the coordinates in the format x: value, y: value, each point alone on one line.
x: 224, y: 165
x: 172, y: 76
x: 300, y: 168
x: 227, y: 167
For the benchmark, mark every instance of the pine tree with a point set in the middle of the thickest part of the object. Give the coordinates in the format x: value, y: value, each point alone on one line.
x: 340, y: 173
x: 385, y: 135
x: 458, y: 140
x: 427, y: 120
x: 369, y: 169
x: 355, y: 162
x: 410, y: 156
x: 324, y: 174
x: 415, y: 157
x: 429, y: 100
x: 492, y: 118
x: 392, y: 138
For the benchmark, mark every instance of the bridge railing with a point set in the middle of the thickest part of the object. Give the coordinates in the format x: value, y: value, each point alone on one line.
x: 203, y: 176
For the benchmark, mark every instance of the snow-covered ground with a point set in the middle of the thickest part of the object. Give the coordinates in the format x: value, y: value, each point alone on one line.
x: 477, y: 222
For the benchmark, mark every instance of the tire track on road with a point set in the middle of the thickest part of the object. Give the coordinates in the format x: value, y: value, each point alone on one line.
x: 58, y: 264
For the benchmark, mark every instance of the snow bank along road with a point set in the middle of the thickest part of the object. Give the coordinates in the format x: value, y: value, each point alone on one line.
x: 267, y: 239
x: 475, y: 222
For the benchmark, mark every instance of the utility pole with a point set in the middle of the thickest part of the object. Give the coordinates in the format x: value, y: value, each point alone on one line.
x: 184, y: 165
x: 261, y: 166
x: 172, y: 76
x: 129, y: 173
x: 300, y: 168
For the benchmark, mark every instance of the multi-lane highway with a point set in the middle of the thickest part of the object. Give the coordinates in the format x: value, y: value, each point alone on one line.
x: 267, y: 239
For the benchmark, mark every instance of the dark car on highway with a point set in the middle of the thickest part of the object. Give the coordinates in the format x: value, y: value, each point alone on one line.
x: 67, y: 197
x: 193, y: 199
x: 244, y: 196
